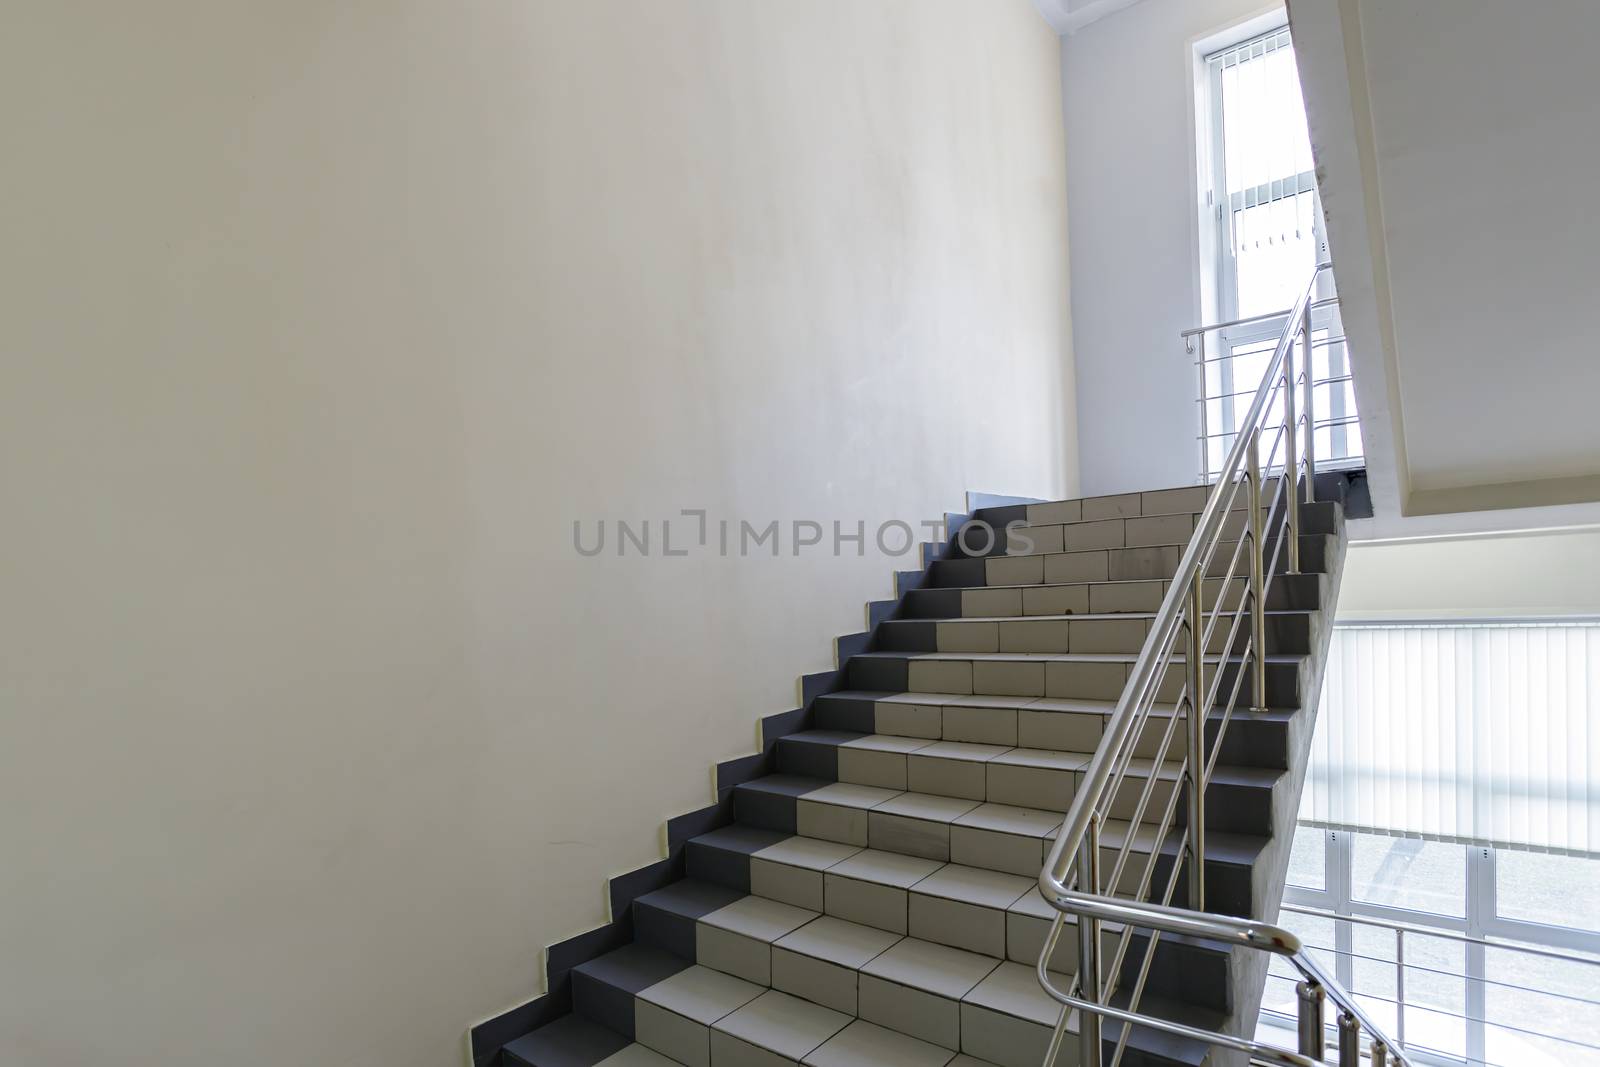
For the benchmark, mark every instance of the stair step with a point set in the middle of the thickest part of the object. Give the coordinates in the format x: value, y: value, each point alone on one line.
x: 1125, y: 632
x: 1045, y: 779
x: 897, y: 721
x: 1099, y: 565
x: 785, y: 980
x: 1016, y: 538
x: 1288, y: 592
x: 1098, y: 676
x: 1183, y: 498
x: 995, y: 837
x: 979, y: 910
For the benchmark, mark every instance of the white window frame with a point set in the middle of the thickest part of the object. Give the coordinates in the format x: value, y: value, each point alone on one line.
x: 1482, y: 920
x: 1218, y: 282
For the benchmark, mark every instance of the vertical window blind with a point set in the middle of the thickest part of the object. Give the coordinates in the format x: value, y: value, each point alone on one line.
x: 1483, y: 733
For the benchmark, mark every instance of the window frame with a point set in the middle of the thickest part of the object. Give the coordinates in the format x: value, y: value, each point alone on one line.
x: 1482, y: 921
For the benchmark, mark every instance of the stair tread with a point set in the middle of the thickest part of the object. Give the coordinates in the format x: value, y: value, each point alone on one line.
x: 790, y: 1026
x: 1068, y: 657
x: 929, y: 806
x: 1086, y: 616
x: 1066, y: 705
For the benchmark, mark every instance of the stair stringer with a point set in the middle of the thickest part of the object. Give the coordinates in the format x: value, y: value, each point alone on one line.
x: 1248, y: 967
x: 486, y: 1038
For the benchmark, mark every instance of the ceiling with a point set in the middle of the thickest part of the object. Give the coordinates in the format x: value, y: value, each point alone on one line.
x: 1069, y: 16
x: 1456, y: 143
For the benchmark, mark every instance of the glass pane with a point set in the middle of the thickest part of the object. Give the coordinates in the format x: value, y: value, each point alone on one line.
x: 1308, y: 858
x: 1403, y: 872
x: 1373, y: 971
x: 1554, y: 890
x: 1541, y: 1010
x: 1436, y: 993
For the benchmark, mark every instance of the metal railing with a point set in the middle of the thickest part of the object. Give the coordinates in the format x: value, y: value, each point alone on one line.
x: 1214, y: 614
x: 1224, y: 350
x: 1558, y: 1002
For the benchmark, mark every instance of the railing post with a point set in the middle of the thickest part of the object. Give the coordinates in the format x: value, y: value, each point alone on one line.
x: 1258, y: 578
x: 1205, y: 414
x: 1400, y: 987
x: 1291, y: 461
x: 1196, y: 764
x: 1089, y: 947
x: 1349, y: 1040
x: 1311, y: 999
x: 1380, y: 1054
x: 1311, y: 406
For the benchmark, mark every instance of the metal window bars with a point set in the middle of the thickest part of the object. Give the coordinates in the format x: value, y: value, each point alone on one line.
x: 1209, y: 636
x: 1225, y: 350
x: 1535, y: 1025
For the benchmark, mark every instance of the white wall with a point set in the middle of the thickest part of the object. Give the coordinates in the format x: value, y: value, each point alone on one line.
x: 1128, y: 99
x: 321, y: 324
x: 1472, y: 343
x: 1550, y: 573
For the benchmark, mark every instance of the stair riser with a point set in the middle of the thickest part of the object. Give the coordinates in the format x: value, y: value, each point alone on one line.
x: 1249, y: 742
x: 1046, y: 678
x: 1286, y: 635
x: 1112, y: 564
x: 1289, y: 592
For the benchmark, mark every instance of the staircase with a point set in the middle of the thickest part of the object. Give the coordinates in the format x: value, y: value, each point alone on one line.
x: 870, y: 895
x: 1031, y: 820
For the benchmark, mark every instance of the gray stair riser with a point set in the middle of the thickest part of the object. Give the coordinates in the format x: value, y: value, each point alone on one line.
x: 1102, y: 565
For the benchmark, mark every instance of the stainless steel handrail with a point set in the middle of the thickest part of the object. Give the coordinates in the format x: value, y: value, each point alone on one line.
x: 1194, y: 331
x: 1184, y: 633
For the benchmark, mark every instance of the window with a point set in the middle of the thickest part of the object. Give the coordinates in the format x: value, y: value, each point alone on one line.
x: 1265, y: 223
x: 1550, y: 890
x: 1308, y: 859
x: 1474, y: 956
x: 1413, y: 875
x: 1473, y: 732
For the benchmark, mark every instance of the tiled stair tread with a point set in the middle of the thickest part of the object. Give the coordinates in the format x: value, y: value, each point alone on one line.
x: 981, y: 886
x: 570, y: 1041
x: 1120, y: 582
x: 1161, y: 521
x: 1220, y: 845
x: 1064, y: 657
x: 790, y: 1026
x: 1063, y: 705
x: 864, y: 1044
x: 1087, y: 616
x: 1042, y: 758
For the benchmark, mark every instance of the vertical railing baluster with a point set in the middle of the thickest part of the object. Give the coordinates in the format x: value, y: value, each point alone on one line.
x: 1196, y: 766
x: 1400, y: 987
x: 1310, y: 371
x: 1349, y: 1040
x: 1291, y: 460
x: 1258, y: 577
x: 1311, y: 1000
x: 1089, y: 945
